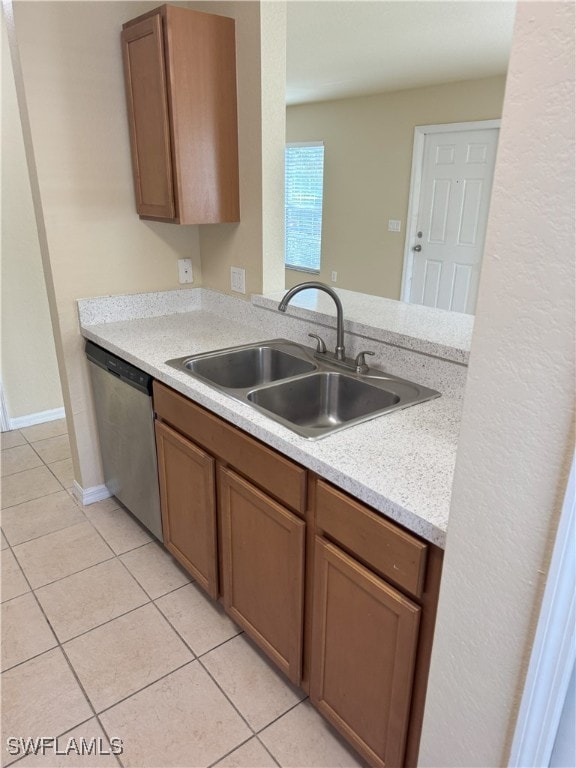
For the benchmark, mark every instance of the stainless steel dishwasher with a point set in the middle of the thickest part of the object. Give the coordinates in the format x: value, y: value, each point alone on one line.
x: 125, y: 418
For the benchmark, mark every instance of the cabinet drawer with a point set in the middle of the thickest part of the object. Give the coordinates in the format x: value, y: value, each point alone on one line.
x: 388, y: 549
x: 282, y: 478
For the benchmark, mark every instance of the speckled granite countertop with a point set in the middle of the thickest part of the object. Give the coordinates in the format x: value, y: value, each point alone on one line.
x: 423, y: 329
x: 401, y: 463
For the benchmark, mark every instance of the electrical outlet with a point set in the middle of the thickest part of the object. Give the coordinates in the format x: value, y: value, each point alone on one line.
x: 185, y: 271
x: 334, y: 276
x: 394, y: 225
x: 238, y: 279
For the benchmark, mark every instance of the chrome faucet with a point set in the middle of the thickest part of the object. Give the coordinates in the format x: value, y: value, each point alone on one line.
x: 339, y: 353
x: 358, y: 365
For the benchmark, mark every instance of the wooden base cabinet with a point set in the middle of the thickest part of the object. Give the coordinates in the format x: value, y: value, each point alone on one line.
x: 263, y: 570
x: 342, y: 599
x: 249, y: 531
x: 364, y: 639
x: 187, y: 497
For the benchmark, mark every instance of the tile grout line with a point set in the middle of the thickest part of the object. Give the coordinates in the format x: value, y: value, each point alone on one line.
x: 61, y: 578
x: 255, y: 734
x: 198, y: 659
x: 34, y: 538
x: 59, y: 646
x: 59, y: 736
x: 67, y: 660
x: 104, y: 710
x: 61, y: 643
x: 235, y: 707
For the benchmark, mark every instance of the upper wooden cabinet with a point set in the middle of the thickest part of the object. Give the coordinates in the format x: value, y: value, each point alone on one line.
x: 180, y: 71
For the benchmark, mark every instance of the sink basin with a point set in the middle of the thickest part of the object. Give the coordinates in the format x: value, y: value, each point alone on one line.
x: 308, y: 393
x: 323, y: 401
x: 247, y: 367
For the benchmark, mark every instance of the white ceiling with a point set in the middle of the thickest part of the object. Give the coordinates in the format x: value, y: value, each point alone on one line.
x: 342, y: 48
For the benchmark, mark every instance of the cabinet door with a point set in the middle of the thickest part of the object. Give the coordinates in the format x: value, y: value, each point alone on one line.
x: 364, y: 638
x: 263, y: 570
x: 187, y: 495
x: 147, y: 99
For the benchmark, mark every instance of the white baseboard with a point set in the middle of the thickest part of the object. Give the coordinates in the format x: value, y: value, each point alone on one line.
x: 4, y: 417
x: 36, y: 418
x: 90, y: 495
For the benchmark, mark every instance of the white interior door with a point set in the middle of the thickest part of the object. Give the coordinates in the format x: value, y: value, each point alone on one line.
x: 447, y: 237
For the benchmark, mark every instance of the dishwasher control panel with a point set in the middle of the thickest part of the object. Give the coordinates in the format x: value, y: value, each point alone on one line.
x: 118, y: 367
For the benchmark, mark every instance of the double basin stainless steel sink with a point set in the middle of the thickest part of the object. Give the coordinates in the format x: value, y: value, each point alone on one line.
x: 305, y: 391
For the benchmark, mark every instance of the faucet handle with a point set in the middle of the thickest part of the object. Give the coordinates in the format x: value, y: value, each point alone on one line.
x: 320, y: 346
x: 360, y: 362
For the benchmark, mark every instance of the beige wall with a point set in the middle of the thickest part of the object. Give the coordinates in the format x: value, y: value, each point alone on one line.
x: 517, y: 437
x: 257, y: 242
x: 367, y: 163
x: 95, y: 244
x: 29, y: 370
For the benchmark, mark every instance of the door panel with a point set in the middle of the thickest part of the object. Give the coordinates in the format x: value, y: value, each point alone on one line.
x: 364, y: 639
x: 147, y: 98
x: 453, y: 206
x: 263, y: 570
x: 187, y: 493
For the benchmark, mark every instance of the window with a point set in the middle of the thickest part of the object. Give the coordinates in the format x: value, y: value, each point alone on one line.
x: 303, y: 201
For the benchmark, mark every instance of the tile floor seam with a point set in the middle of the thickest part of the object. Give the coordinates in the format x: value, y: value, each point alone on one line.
x: 59, y: 644
x: 30, y: 442
x: 260, y: 730
x: 103, y: 624
x: 211, y: 676
x: 144, y: 687
x: 228, y: 639
x: 82, y: 570
x: 155, y: 541
x: 69, y: 663
x: 99, y: 534
x: 130, y: 695
x: 105, y: 732
x: 138, y: 546
x: 60, y: 578
x: 190, y: 580
x: 231, y: 751
x: 196, y: 655
x: 10, y: 474
x: 255, y: 733
x: 167, y: 620
x: 257, y: 737
x: 35, y: 538
x: 9, y: 506
x: 21, y: 571
x: 31, y: 658
x: 223, y: 692
x: 36, y: 452
x: 54, y: 474
x: 116, y: 554
x: 58, y: 736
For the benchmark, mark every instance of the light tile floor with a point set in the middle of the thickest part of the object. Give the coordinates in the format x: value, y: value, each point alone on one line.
x: 104, y: 636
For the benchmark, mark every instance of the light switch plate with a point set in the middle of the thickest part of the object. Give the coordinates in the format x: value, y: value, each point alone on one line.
x: 238, y: 279
x: 185, y: 271
x: 394, y: 225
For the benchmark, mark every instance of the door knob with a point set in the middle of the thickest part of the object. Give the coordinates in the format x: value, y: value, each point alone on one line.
x: 417, y: 248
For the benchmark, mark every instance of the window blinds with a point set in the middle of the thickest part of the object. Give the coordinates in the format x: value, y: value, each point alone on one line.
x: 303, y: 200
